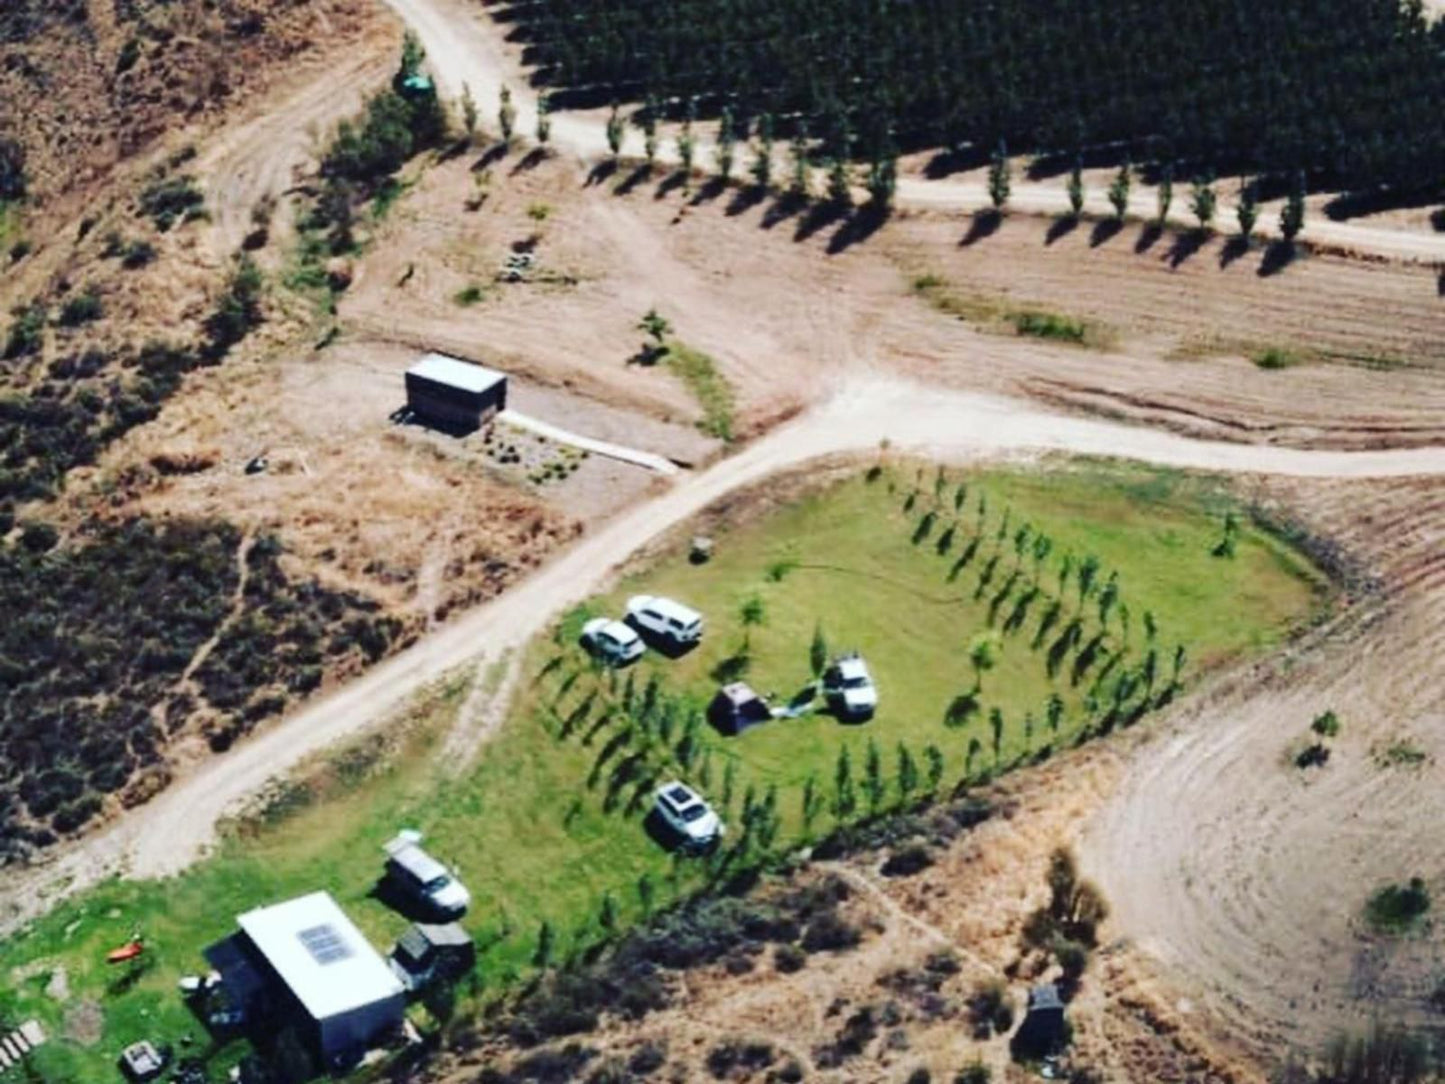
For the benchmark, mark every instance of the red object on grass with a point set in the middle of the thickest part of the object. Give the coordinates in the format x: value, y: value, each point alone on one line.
x: 124, y: 953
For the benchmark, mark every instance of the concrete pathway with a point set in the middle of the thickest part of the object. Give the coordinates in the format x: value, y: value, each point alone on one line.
x: 647, y: 460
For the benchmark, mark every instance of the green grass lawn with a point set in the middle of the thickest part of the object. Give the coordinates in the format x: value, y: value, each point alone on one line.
x: 549, y: 823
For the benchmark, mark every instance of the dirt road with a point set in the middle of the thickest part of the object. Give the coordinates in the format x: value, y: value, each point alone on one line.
x: 169, y: 833
x: 464, y: 49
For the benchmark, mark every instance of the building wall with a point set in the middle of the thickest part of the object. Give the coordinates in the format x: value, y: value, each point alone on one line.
x: 451, y: 406
x: 347, y: 1036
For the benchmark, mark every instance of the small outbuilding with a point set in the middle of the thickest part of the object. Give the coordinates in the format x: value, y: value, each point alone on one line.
x: 1044, y: 1030
x: 304, y: 964
x: 737, y: 707
x: 428, y: 953
x: 454, y: 394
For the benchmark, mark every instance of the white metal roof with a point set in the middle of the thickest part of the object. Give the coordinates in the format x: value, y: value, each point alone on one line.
x: 456, y: 373
x: 320, y: 955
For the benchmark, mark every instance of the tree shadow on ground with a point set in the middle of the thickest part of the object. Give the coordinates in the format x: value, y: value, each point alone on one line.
x: 1104, y: 231
x: 1233, y: 249
x: 490, y: 157
x: 710, y: 190
x: 819, y: 216
x: 633, y: 180
x: 783, y: 208
x: 601, y: 173
x: 862, y: 224
x: 1349, y: 205
x: 1186, y: 245
x: 1148, y: 238
x: 745, y: 199
x: 1060, y: 228
x: 984, y: 224
x: 1277, y: 257
x: 957, y: 160
x: 531, y: 160
x: 671, y: 183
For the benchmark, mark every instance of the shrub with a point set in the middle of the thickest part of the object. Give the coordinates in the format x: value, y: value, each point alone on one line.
x: 39, y: 537
x: 1396, y: 909
x: 990, y: 1008
x: 913, y: 857
x: 1275, y: 358
x: 921, y: 1075
x: 1048, y: 325
x: 170, y: 198
x: 468, y: 295
x: 137, y: 254
x: 27, y: 332
x: 977, y: 1073
x: 1326, y: 724
x: 82, y: 308
x: 12, y: 169
x: 830, y: 932
x: 239, y: 309
x: 647, y: 1058
x: 789, y: 958
x: 747, y: 1057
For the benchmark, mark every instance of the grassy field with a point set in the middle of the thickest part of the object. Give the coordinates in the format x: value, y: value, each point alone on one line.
x: 547, y: 828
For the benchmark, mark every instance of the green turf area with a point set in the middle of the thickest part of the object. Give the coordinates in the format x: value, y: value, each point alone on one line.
x: 548, y: 825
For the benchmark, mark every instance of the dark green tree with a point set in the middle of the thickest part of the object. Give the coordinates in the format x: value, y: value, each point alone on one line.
x: 1000, y: 178
x: 1292, y: 215
x: 1119, y: 192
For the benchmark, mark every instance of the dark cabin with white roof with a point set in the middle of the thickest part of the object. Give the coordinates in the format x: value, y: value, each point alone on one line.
x: 454, y: 395
x: 304, y: 964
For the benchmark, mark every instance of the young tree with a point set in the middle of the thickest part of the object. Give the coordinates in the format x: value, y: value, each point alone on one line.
x: 412, y: 56
x: 982, y: 655
x: 686, y: 143
x: 974, y: 748
x: 1076, y: 189
x: 1165, y: 193
x: 798, y: 153
x: 763, y: 161
x: 615, y: 132
x: 507, y: 115
x: 469, y: 114
x: 1054, y: 713
x: 645, y: 895
x: 656, y: 326
x: 907, y: 774
x: 1292, y: 214
x: 726, y: 140
x: 1202, y: 201
x: 883, y: 180
x: 873, y: 785
x: 840, y: 191
x: 752, y: 612
x: 729, y: 783
x: 844, y: 800
x: 544, y: 120
x: 934, y: 756
x: 647, y: 121
x: 1000, y: 175
x: 812, y: 803
x: 995, y: 725
x: 818, y: 651
x: 546, y: 939
x: 1247, y: 210
x: 1119, y: 192
x: 607, y: 914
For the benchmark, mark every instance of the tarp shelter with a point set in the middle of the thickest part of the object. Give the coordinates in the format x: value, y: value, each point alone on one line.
x: 304, y: 962
x: 454, y: 394
x: 737, y: 707
x: 1044, y: 1030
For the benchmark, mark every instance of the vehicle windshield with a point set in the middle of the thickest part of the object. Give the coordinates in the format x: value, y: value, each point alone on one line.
x: 693, y: 813
x: 436, y: 884
x: 856, y: 683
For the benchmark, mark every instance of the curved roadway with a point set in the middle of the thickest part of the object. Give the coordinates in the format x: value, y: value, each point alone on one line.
x: 166, y: 835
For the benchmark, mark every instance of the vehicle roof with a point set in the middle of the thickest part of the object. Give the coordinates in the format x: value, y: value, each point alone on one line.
x: 320, y: 955
x: 669, y: 608
x: 679, y: 793
x: 619, y: 630
x: 418, y: 863
x: 851, y: 666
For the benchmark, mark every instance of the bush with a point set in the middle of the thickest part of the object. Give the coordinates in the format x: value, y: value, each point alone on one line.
x: 1326, y: 724
x: 990, y: 1008
x: 746, y: 1057
x: 921, y: 1075
x: 789, y: 958
x: 239, y: 309
x: 1274, y: 358
x: 137, y: 254
x: 913, y: 857
x: 647, y: 1058
x: 170, y: 198
x: 12, y: 169
x: 82, y: 308
x: 977, y: 1073
x: 39, y: 537
x: 830, y: 932
x: 1396, y: 909
x: 27, y: 332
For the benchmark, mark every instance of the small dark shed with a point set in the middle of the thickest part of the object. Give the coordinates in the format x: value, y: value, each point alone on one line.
x: 427, y: 953
x: 454, y: 394
x: 1044, y: 1030
x: 736, y: 707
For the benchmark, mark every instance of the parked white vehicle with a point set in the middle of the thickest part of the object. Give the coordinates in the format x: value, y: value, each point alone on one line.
x: 423, y: 879
x: 849, y: 690
x: 612, y: 641
x: 665, y: 620
x: 684, y: 811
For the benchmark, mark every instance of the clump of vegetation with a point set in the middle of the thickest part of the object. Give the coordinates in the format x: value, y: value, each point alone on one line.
x: 82, y: 308
x: 1326, y: 724
x: 168, y: 199
x: 1275, y: 357
x: 990, y: 1008
x: 1401, y: 753
x: 239, y: 309
x: 1397, y: 909
x: 27, y: 330
x: 1049, y: 325
x: 469, y: 295
x: 13, y: 182
x: 708, y: 386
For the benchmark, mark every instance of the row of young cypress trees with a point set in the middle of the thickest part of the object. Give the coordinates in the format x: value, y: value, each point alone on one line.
x: 1348, y: 90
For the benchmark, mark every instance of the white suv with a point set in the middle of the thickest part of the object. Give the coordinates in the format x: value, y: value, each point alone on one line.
x: 611, y: 641
x: 665, y: 620
x: 424, y: 880
x: 682, y: 810
x: 849, y: 690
